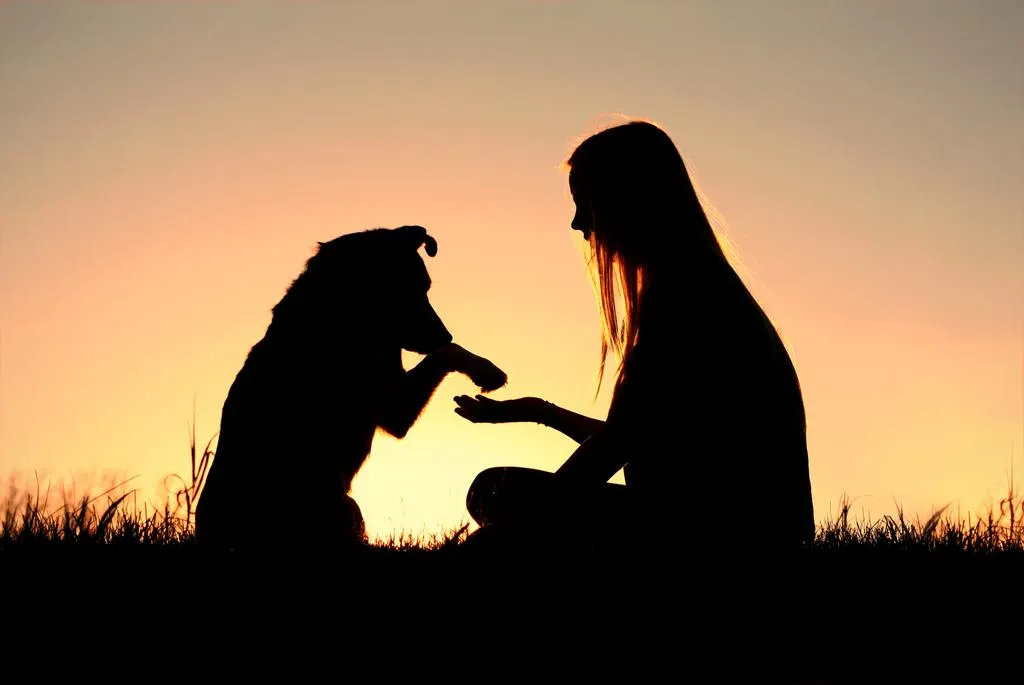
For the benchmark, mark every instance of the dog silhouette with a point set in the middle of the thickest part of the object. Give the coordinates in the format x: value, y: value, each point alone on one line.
x: 299, y: 420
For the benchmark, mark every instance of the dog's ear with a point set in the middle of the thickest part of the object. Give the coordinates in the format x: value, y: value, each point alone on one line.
x: 430, y: 245
x: 417, y: 236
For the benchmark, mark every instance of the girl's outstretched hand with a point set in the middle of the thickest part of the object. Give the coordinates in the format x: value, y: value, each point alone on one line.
x: 482, y: 409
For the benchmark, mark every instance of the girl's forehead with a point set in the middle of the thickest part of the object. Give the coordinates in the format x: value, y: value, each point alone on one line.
x: 574, y: 181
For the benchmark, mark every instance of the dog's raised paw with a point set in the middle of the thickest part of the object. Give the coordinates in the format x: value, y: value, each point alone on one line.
x: 490, y: 377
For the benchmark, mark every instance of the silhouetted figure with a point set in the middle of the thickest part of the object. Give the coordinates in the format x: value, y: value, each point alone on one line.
x: 706, y: 418
x: 300, y: 417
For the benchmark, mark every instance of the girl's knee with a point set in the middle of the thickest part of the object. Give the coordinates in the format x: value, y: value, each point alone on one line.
x: 486, y: 488
x: 488, y: 479
x: 501, y: 490
x: 480, y: 493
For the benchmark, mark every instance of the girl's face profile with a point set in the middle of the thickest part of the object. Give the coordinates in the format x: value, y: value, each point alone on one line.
x: 583, y: 220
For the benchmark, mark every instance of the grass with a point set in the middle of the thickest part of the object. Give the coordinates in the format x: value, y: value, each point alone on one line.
x: 854, y: 581
x: 28, y: 520
x: 110, y: 521
x: 104, y: 520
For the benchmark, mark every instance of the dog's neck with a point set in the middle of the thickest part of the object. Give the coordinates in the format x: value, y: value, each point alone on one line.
x: 322, y: 339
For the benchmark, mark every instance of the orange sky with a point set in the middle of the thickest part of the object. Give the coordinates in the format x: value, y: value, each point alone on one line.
x: 166, y: 168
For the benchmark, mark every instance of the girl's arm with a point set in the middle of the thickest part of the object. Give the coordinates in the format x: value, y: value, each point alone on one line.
x: 601, y: 456
x: 595, y: 461
x: 527, y: 410
x: 576, y: 426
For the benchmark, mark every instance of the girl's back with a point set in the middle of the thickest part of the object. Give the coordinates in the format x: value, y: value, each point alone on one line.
x: 714, y: 400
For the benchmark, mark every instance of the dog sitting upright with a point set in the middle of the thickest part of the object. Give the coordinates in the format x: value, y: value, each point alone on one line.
x: 299, y: 419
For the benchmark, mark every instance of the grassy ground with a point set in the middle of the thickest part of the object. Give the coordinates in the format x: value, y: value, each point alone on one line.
x: 40, y: 523
x: 855, y: 563
x: 107, y: 520
x: 30, y: 521
x: 864, y: 596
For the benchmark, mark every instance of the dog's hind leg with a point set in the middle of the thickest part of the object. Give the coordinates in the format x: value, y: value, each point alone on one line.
x: 350, y: 521
x: 340, y: 522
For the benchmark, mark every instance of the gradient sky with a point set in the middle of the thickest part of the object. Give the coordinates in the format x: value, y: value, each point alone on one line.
x: 166, y: 168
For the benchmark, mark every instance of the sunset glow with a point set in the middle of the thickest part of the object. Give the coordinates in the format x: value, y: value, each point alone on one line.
x: 167, y: 168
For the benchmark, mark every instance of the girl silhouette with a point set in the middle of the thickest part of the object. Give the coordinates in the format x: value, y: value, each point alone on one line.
x: 706, y: 417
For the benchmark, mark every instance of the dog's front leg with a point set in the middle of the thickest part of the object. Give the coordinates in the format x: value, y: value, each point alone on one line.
x: 400, y: 403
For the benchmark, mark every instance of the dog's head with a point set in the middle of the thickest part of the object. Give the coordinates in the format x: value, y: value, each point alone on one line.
x: 380, y: 283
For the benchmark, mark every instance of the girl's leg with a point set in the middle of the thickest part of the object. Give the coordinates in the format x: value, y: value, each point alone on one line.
x: 508, y: 495
x: 535, y: 501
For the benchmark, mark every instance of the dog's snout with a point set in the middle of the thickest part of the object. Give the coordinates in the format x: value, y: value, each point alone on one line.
x: 428, y: 333
x: 438, y: 331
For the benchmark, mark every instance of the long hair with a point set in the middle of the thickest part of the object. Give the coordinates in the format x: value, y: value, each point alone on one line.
x: 647, y: 218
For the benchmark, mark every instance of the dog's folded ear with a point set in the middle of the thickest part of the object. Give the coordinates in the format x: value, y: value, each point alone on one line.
x: 417, y: 236
x: 430, y: 245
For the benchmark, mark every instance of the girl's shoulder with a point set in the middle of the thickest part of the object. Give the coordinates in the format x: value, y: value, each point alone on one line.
x: 694, y: 300
x: 710, y: 316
